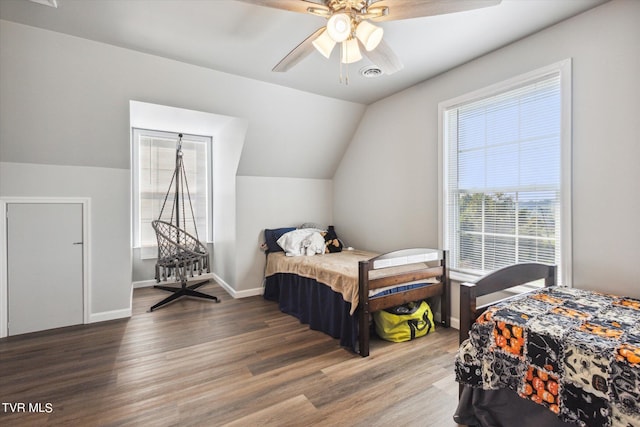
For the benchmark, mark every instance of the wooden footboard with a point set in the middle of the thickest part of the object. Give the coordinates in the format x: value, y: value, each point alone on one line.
x: 505, y: 278
x: 382, y: 271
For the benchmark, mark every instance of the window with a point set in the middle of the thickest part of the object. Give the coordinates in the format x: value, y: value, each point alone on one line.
x: 506, y: 174
x: 154, y: 155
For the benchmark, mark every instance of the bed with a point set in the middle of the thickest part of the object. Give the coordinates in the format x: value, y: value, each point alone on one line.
x: 336, y: 292
x: 554, y: 356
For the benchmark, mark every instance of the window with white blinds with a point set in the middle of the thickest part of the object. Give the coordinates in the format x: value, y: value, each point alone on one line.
x: 154, y: 154
x: 505, y: 190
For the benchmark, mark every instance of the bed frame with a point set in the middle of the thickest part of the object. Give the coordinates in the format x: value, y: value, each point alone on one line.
x: 505, y: 278
x: 393, y: 268
x: 375, y: 267
x: 499, y: 280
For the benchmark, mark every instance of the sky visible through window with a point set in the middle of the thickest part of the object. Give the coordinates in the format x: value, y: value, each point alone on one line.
x: 510, y: 144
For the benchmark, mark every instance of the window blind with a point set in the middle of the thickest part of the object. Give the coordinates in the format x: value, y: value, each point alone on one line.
x: 155, y: 156
x: 504, y: 177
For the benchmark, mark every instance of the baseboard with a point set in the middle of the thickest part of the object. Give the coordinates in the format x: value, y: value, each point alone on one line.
x: 109, y: 315
x: 143, y: 284
x: 454, y: 322
x: 248, y: 293
x: 237, y: 294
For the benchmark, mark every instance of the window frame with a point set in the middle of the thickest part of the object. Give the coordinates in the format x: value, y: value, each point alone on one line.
x: 564, y: 69
x: 207, y: 236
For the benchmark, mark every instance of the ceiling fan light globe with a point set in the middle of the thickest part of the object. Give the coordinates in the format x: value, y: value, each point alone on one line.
x: 369, y: 35
x: 324, y: 44
x: 350, y: 52
x: 339, y: 27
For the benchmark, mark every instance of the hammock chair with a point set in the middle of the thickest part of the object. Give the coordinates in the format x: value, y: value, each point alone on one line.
x: 180, y: 254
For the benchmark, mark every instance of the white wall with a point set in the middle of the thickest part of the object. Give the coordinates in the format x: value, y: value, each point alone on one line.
x: 64, y: 114
x: 110, y: 226
x: 395, y: 148
x: 227, y: 154
x: 386, y: 186
x: 274, y: 203
x: 74, y: 93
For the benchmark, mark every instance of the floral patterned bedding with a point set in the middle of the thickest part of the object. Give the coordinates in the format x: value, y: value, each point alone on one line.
x: 573, y: 352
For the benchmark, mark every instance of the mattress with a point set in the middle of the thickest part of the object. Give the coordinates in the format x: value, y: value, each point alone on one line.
x: 339, y: 271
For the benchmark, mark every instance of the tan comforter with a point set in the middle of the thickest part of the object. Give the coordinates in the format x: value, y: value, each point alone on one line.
x: 338, y: 270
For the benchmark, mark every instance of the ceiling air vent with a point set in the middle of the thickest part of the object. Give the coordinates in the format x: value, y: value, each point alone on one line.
x: 371, y: 72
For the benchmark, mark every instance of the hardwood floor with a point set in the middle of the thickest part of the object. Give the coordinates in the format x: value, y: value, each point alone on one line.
x: 240, y: 362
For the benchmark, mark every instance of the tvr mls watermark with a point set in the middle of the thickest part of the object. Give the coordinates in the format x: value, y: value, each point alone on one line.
x: 27, y: 407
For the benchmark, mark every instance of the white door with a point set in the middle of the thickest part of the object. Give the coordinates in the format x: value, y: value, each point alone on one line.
x: 44, y: 263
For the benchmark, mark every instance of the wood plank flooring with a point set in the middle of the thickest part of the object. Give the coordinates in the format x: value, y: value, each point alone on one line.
x: 239, y: 363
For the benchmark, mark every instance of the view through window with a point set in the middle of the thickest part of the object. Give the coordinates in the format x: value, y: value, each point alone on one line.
x: 155, y: 161
x: 503, y: 183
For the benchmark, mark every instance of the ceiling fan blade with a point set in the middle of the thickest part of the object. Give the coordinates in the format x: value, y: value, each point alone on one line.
x: 384, y: 57
x: 300, y: 6
x: 298, y: 53
x: 406, y: 9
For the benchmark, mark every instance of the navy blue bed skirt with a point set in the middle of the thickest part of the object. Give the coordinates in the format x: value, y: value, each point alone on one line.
x: 314, y: 304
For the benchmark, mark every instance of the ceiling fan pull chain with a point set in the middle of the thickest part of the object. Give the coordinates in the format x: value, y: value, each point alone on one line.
x: 346, y: 66
x: 343, y: 52
x: 346, y: 78
x: 340, y: 62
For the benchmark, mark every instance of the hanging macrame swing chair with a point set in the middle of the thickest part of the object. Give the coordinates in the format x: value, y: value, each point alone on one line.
x: 180, y: 254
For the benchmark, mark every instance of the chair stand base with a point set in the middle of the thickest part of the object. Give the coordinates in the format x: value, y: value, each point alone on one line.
x: 183, y: 291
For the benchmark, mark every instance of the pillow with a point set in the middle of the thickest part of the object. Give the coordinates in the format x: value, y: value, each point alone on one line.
x: 331, y: 241
x: 271, y: 237
x: 306, y: 241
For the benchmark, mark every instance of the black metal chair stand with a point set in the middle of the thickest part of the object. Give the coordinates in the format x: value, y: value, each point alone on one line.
x: 180, y: 255
x: 183, y: 291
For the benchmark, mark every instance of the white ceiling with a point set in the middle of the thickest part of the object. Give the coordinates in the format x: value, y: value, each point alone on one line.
x: 248, y: 40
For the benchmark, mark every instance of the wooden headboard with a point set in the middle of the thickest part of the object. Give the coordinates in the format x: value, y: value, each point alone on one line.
x: 499, y: 280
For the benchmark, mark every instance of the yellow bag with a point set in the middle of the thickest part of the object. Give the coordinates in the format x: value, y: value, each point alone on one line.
x: 404, y: 322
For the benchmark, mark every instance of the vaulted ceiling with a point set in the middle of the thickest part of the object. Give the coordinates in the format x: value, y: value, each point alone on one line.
x: 247, y: 39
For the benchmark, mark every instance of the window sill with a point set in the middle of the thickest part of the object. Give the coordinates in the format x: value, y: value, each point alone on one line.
x: 148, y: 252
x: 461, y: 277
x: 527, y: 287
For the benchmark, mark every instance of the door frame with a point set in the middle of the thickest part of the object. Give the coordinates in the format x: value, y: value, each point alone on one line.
x: 4, y: 262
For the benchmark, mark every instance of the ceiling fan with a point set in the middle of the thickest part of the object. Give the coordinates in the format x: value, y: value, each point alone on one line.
x: 348, y: 24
